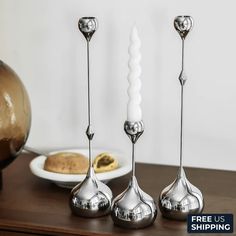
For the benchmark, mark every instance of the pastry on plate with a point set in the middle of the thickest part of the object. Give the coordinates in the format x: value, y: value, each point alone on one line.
x: 105, y: 162
x: 67, y: 163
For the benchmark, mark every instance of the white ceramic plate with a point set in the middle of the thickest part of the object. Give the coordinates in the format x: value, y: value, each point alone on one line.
x: 70, y: 180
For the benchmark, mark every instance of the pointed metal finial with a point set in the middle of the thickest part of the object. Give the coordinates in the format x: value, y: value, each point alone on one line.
x: 88, y: 26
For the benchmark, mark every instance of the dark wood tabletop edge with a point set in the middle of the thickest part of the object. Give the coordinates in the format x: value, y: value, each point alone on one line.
x: 44, y: 230
x: 11, y: 232
x: 188, y: 167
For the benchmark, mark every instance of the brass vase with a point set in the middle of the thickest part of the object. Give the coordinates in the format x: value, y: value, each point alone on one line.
x: 15, y: 116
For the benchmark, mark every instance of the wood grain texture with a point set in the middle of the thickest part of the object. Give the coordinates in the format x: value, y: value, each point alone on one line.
x: 32, y: 205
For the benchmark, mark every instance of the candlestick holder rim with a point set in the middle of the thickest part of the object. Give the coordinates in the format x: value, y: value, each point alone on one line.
x: 183, y: 24
x: 183, y: 16
x: 134, y: 129
x: 88, y: 25
x: 88, y: 17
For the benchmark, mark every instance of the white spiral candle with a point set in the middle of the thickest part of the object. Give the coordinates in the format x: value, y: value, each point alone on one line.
x: 134, y: 112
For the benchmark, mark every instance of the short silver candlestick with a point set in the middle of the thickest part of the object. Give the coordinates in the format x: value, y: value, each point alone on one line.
x: 91, y: 197
x: 133, y: 208
x: 181, y: 198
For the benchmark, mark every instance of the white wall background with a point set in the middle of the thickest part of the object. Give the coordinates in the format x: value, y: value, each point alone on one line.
x: 41, y: 41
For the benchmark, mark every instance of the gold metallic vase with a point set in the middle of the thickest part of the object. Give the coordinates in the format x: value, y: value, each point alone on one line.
x: 15, y: 115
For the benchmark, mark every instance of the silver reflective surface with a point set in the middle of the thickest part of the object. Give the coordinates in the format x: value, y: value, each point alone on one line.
x: 133, y: 208
x: 134, y: 130
x: 87, y: 26
x: 183, y: 24
x: 91, y: 198
x: 180, y: 199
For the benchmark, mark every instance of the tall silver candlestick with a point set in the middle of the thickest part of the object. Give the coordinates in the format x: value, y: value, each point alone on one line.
x: 91, y: 197
x: 133, y: 208
x: 181, y: 198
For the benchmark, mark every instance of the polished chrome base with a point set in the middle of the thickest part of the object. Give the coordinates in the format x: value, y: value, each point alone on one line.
x: 91, y: 198
x: 180, y: 199
x: 133, y: 208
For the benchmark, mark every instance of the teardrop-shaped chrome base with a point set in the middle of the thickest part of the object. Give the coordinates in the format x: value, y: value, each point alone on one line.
x: 91, y: 198
x: 180, y: 198
x: 133, y: 208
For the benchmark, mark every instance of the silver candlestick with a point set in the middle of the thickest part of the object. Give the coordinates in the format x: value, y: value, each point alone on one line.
x: 181, y: 198
x: 91, y: 197
x: 133, y: 208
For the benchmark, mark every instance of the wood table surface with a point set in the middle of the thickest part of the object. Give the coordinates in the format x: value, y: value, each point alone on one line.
x: 32, y: 206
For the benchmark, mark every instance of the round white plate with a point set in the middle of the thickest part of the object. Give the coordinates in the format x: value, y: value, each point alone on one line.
x: 70, y: 180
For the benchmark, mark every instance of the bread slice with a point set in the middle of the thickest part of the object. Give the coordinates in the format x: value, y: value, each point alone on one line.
x: 105, y: 162
x: 67, y: 163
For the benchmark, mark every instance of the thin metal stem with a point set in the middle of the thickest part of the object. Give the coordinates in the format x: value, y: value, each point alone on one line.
x: 89, y: 105
x: 133, y: 161
x: 90, y: 154
x: 182, y: 54
x: 181, y: 126
x: 182, y: 110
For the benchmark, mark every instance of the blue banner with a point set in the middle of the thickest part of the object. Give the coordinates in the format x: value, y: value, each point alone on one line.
x: 210, y: 223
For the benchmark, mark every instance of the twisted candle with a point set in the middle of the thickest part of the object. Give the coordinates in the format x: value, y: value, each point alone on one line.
x: 134, y: 112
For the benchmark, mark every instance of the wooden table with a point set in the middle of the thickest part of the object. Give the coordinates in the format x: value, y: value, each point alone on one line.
x: 32, y: 206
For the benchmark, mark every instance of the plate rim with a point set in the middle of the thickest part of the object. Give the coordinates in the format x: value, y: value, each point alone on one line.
x: 75, y: 178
